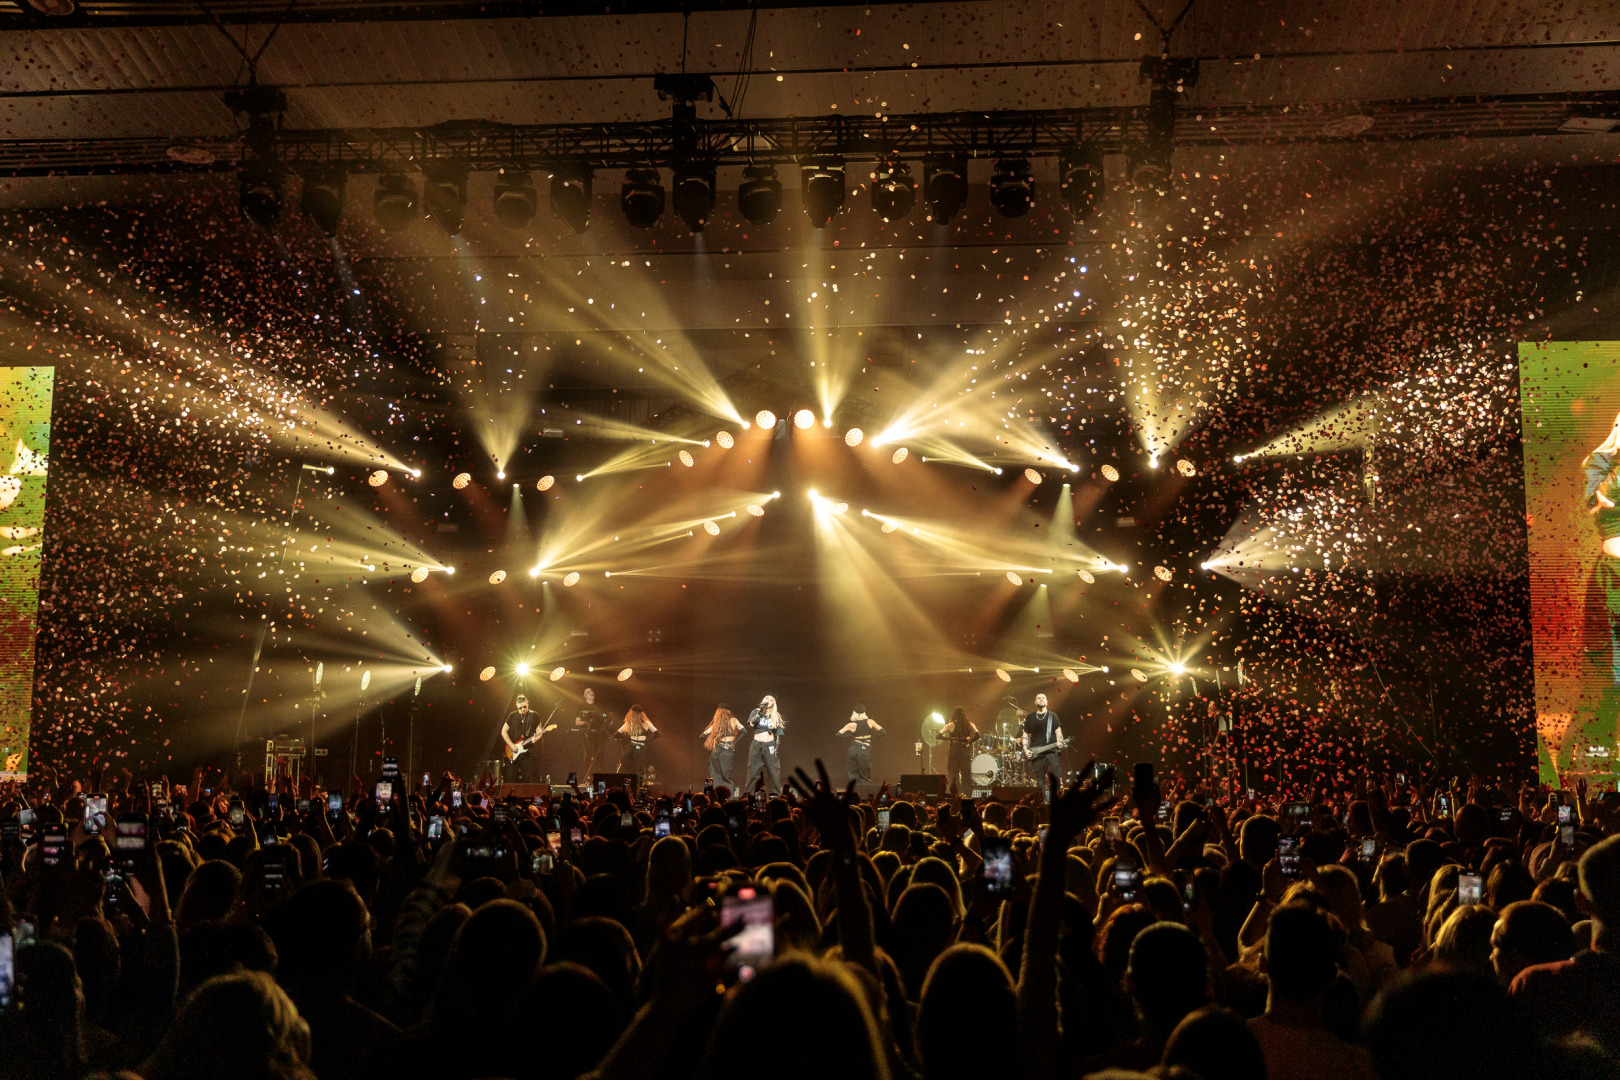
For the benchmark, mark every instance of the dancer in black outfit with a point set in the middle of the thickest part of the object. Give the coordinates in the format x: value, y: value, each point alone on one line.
x: 720, y: 740
x: 765, y: 724
x: 861, y: 730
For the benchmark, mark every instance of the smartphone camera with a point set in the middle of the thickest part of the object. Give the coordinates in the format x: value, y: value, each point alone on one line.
x: 883, y: 818
x: 542, y: 863
x: 998, y: 868
x: 576, y: 836
x: 1111, y: 831
x: 129, y: 844
x: 435, y: 829
x: 1566, y: 813
x: 753, y: 947
x: 334, y: 804
x: 384, y: 792
x: 1369, y: 849
x: 237, y: 813
x: 661, y: 824
x: 95, y: 814
x: 1470, y: 889
x: 1288, y: 856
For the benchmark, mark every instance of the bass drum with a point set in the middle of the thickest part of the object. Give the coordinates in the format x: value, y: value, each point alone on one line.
x: 985, y: 770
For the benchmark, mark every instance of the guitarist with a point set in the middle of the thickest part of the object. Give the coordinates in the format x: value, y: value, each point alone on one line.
x: 1043, y: 728
x: 515, y: 732
x: 961, y: 733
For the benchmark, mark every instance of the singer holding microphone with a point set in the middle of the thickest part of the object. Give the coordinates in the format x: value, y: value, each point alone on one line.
x: 764, y: 760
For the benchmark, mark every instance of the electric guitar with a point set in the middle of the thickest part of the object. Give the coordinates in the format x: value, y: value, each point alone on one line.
x: 1036, y: 751
x: 515, y: 752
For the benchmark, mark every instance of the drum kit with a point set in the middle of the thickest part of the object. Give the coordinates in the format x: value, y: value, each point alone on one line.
x: 1000, y: 760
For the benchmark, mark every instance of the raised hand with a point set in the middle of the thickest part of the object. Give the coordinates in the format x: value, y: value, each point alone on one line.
x: 1073, y: 809
x: 827, y: 812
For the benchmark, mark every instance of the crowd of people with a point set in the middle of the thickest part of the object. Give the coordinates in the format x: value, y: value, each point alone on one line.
x: 1123, y: 927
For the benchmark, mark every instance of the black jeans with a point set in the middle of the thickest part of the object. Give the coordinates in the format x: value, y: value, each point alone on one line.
x: 1049, y: 762
x: 959, y: 770
x: 763, y: 762
x: 859, y: 763
x: 721, y: 761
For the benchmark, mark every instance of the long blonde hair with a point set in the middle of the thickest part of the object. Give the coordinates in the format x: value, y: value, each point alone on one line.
x: 724, y: 725
x: 776, y: 710
x: 635, y: 720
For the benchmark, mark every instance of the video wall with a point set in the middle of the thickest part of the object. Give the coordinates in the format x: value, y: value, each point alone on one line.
x: 1570, y: 405
x: 25, y: 442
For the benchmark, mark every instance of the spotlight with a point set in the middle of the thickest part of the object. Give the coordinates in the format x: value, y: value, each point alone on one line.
x: 461, y: 480
x: 444, y: 194
x: 624, y: 676
x: 1011, y: 187
x: 545, y: 483
x: 945, y: 188
x: 497, y: 577
x: 1014, y: 577
x: 1080, y: 180
x: 1109, y: 473
x: 1178, y: 668
x: 446, y: 668
x: 686, y: 458
x: 450, y: 570
x: 1186, y: 468
x: 1070, y: 674
x: 1086, y: 576
x: 515, y: 198
x: 534, y: 571
x: 840, y: 508
x: 378, y: 478
x: 1001, y: 673
x: 486, y: 675
x: 894, y: 192
x: 725, y: 440
x: 853, y: 437
x: 420, y: 574
x: 1032, y: 476
x: 803, y: 419
x: 694, y: 195
x: 571, y: 196
x: 1138, y: 675
x: 1162, y: 573
x: 322, y: 199
x: 712, y: 528
x: 755, y: 510
x: 1153, y: 461
x: 571, y: 580
x: 642, y: 198
x: 759, y: 196
x: 765, y: 419
x: 394, y: 203
x: 822, y: 187
x: 898, y: 456
x: 557, y: 673
x: 259, y: 194
x: 523, y: 669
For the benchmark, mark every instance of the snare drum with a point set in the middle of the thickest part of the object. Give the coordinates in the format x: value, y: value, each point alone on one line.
x: 984, y: 769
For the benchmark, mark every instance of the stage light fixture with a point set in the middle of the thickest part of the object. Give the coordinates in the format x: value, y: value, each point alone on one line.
x: 446, y: 668
x: 642, y: 198
x: 557, y: 674
x: 889, y: 526
x: 515, y: 198
x: 765, y: 420
x: 571, y: 196
x: 1012, y: 189
x: 378, y: 478
x: 1081, y: 181
x: 694, y: 195
x: 1149, y: 162
x: 420, y: 574
x: 1162, y: 573
x: 55, y: 8
x: 1014, y: 577
x: 822, y: 188
x: 545, y: 483
x: 259, y: 193
x: 755, y: 510
x: 394, y: 204
x: 444, y: 194
x: 1138, y: 675
x: 1086, y: 576
x: 624, y: 676
x: 899, y: 455
x: 461, y: 480
x: 686, y: 458
x: 321, y: 199
x: 534, y: 571
x: 840, y: 508
x: 894, y: 192
x: 571, y: 580
x: 1032, y: 476
x: 1070, y: 674
x: 497, y: 577
x: 450, y: 570
x: 1186, y: 468
x: 486, y: 675
x: 725, y: 440
x: 1153, y: 461
x: 853, y: 436
x: 1001, y: 673
x: 945, y: 187
x: 712, y: 528
x: 1109, y: 473
x: 759, y: 196
x: 803, y: 419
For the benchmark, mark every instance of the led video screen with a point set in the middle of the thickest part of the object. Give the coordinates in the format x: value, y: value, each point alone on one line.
x: 25, y: 438
x: 1570, y: 403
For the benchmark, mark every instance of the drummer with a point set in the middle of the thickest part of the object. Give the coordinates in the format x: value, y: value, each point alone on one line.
x: 961, y: 735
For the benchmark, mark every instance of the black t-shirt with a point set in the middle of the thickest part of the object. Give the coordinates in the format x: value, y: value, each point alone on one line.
x: 518, y: 724
x: 1041, y: 727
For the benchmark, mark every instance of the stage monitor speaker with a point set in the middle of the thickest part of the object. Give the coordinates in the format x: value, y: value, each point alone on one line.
x: 526, y: 792
x: 1011, y: 793
x: 921, y: 783
x: 619, y: 780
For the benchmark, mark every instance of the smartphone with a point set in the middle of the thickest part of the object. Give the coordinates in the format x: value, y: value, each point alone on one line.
x: 760, y: 799
x: 1288, y: 855
x: 1189, y: 894
x: 499, y: 814
x: 95, y: 814
x: 1111, y: 831
x: 384, y: 792
x: 708, y: 786
x: 1162, y: 815
x: 390, y: 766
x: 275, y: 868
x: 542, y: 863
x: 1400, y: 778
x: 274, y: 804
x: 661, y: 824
x: 1566, y: 814
x: 27, y: 818
x: 1442, y: 804
x: 1470, y: 889
x: 53, y: 846
x: 883, y: 798
x: 10, y: 829
x: 8, y: 971
x: 425, y: 783
x: 1127, y: 884
x: 555, y: 840
x: 573, y: 778
x: 1566, y: 837
x: 129, y: 844
x: 754, y: 946
x: 998, y: 868
x: 435, y: 829
x: 455, y: 798
x: 1504, y: 814
x: 1298, y: 812
x: 1042, y: 835
x: 686, y: 804
x: 1369, y: 849
x: 883, y: 817
x: 156, y: 789
x: 236, y: 813
x: 334, y: 804
x: 627, y: 820
x: 303, y: 806
x: 601, y: 787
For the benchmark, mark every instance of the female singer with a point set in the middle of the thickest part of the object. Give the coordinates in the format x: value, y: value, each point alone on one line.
x: 861, y: 730
x: 764, y: 761
x: 720, y: 740
x: 636, y: 731
x: 961, y: 734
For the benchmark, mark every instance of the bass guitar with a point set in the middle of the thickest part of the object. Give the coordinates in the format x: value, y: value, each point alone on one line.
x: 1036, y: 751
